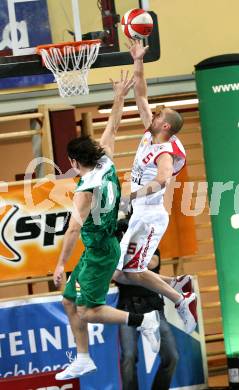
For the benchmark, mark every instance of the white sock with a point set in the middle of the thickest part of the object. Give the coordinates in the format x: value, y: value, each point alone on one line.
x: 83, y: 355
x: 179, y: 300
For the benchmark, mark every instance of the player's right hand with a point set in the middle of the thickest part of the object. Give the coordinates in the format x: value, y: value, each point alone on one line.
x: 58, y: 275
x: 122, y: 87
x: 136, y: 49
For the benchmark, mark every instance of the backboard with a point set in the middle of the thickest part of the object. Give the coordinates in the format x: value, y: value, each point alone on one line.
x: 24, y: 24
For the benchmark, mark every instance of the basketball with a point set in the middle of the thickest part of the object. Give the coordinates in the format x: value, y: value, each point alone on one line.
x: 137, y: 24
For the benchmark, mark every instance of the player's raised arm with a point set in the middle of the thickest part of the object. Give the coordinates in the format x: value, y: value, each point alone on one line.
x: 121, y: 89
x: 137, y: 51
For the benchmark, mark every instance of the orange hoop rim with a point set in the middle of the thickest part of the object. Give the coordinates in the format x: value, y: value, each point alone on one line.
x: 60, y: 46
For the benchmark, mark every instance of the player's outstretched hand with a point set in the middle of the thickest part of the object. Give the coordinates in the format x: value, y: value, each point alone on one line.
x: 137, y: 49
x: 58, y: 275
x: 122, y: 87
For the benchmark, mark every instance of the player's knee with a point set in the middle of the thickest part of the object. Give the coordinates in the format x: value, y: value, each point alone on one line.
x: 134, y: 277
x: 127, y: 277
x: 170, y: 359
x: 173, y: 360
x: 92, y: 314
x: 118, y: 277
x: 128, y: 357
x: 68, y: 305
x: 82, y: 313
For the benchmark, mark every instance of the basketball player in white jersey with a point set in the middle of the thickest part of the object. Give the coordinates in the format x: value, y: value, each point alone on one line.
x: 160, y: 155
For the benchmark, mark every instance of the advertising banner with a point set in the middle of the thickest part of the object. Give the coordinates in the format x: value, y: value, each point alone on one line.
x: 33, y: 221
x: 218, y: 89
x: 45, y: 381
x: 29, y: 34
x: 35, y: 335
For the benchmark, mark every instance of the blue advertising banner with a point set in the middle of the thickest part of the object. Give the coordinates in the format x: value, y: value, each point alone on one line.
x: 32, y: 29
x: 35, y: 335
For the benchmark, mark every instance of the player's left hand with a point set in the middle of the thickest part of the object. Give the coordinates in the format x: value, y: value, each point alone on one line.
x: 122, y: 87
x: 58, y: 275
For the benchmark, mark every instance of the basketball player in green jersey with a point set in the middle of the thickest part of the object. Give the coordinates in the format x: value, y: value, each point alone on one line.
x: 94, y: 216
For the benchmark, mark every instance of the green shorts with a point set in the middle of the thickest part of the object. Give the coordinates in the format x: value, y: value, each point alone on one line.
x: 89, y: 281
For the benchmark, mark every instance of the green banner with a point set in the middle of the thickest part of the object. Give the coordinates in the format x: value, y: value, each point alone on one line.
x: 218, y: 91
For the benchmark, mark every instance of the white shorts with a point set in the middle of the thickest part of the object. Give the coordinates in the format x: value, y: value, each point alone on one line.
x: 141, y: 240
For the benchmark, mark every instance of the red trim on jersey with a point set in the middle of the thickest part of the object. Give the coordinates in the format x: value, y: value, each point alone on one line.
x: 134, y: 262
x: 175, y: 173
x: 176, y: 152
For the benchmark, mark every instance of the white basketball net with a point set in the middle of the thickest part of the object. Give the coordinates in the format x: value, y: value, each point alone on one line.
x: 71, y: 67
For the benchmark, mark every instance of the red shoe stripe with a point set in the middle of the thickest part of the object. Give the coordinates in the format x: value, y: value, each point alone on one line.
x: 188, y: 287
x: 193, y: 309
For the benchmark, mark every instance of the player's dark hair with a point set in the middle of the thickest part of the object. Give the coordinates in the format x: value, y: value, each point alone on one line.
x: 174, y: 119
x: 85, y: 150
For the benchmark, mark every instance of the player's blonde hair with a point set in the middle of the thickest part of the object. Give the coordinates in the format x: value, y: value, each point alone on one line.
x: 174, y: 119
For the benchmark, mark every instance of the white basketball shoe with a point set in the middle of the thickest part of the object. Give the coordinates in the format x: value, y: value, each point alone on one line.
x: 187, y: 310
x: 77, y: 368
x: 150, y: 329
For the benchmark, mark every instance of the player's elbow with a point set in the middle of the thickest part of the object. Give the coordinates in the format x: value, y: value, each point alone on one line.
x: 164, y: 177
x: 73, y: 230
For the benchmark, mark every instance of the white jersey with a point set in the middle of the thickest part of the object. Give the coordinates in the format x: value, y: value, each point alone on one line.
x: 145, y: 166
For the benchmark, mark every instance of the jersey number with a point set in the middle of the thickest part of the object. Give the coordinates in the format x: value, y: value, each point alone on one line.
x: 147, y: 158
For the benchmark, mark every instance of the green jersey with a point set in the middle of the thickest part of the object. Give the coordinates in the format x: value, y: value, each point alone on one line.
x: 101, y: 223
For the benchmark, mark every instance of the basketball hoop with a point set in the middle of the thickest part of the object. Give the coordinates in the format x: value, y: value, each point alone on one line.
x: 70, y: 63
